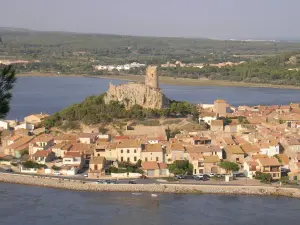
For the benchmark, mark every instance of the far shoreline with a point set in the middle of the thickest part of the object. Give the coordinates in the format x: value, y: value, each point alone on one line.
x: 168, y: 80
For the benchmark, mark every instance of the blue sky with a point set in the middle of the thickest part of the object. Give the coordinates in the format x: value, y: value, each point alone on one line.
x: 183, y: 18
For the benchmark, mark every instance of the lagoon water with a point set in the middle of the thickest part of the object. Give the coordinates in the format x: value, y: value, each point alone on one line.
x: 51, y: 94
x: 26, y: 205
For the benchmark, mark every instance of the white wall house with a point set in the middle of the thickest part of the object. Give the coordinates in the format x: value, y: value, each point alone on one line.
x: 270, y: 151
x: 208, y: 117
x: 26, y: 126
x: 4, y: 124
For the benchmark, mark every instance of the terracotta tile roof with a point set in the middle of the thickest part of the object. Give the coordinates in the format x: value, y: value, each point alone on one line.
x: 97, y: 160
x: 211, y: 159
x: 67, y: 137
x: 234, y: 149
x: 14, y: 138
x: 44, y: 138
x: 121, y: 137
x: 196, y: 156
x: 269, y: 161
x: 162, y: 166
x: 229, y: 141
x: 217, y: 123
x: 259, y: 156
x: 176, y: 147
x: 129, y: 144
x: 72, y: 154
x: 112, y: 145
x: 207, y: 114
x: 20, y: 142
x: 152, y: 165
x: 60, y: 145
x: 153, y: 148
x: 283, y: 158
x: 82, y: 148
x: 248, y: 148
x: 42, y: 153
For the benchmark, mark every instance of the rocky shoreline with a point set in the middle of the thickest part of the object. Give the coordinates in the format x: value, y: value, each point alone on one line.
x: 77, y: 185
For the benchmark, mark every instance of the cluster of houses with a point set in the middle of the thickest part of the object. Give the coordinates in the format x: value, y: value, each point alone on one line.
x: 119, y: 67
x: 199, y: 65
x: 258, y: 139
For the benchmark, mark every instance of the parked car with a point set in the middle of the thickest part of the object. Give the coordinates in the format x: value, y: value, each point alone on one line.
x: 143, y: 177
x: 85, y: 175
x: 131, y: 182
x: 240, y: 175
x: 113, y: 182
x: 188, y: 177
x: 9, y: 170
x: 57, y: 173
x: 179, y: 177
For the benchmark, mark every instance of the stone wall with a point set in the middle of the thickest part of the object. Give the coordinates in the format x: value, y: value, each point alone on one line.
x: 153, y: 188
x: 136, y: 94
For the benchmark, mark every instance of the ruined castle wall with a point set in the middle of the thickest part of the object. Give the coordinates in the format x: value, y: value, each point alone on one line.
x: 151, y: 78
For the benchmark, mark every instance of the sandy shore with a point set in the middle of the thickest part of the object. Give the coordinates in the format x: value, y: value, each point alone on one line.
x: 169, y: 80
x: 152, y: 188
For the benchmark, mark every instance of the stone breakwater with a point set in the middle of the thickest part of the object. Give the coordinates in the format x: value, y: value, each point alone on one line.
x: 153, y: 188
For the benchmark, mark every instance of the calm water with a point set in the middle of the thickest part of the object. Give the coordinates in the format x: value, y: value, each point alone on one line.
x: 35, y: 205
x: 51, y: 94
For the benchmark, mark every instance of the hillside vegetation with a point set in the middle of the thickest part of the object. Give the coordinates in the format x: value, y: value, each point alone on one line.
x: 72, y: 53
x: 93, y: 110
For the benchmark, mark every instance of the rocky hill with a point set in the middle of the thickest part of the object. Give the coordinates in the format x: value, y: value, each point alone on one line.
x: 137, y: 94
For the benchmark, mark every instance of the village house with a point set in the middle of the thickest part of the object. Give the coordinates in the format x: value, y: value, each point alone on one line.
x: 250, y: 168
x: 250, y: 149
x: 61, y: 149
x: 86, y: 150
x: 111, y: 153
x: 217, y: 126
x: 96, y: 166
x: 73, y: 159
x: 270, y: 166
x: 176, y: 152
x: 234, y: 153
x: 207, y: 117
x: 4, y: 125
x: 43, y: 156
x: 19, y: 147
x: 25, y: 125
x: 42, y: 142
x: 129, y: 150
x: 155, y: 169
x: 35, y: 119
x: 196, y: 159
x: 153, y: 152
x: 210, y: 164
x: 269, y: 147
x: 87, y: 138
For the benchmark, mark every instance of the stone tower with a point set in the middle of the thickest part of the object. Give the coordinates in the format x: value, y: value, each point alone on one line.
x: 151, y: 79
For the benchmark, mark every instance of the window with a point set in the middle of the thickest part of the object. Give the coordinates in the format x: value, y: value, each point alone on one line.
x: 146, y: 159
x: 156, y: 159
x: 128, y: 159
x: 121, y: 150
x: 121, y: 159
x: 237, y: 159
x: 135, y: 158
x: 98, y: 154
x: 134, y: 150
x: 95, y: 167
x: 128, y: 151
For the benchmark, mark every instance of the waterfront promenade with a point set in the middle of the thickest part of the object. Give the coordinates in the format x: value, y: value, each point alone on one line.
x: 78, y: 185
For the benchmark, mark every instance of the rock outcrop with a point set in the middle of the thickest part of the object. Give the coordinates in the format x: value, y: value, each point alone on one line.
x: 147, y: 95
x: 136, y: 94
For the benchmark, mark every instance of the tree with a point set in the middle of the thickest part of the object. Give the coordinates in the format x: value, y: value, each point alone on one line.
x: 7, y: 81
x: 229, y: 166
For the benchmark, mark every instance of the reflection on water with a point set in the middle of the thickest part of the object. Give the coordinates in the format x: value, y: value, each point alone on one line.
x: 35, y: 205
